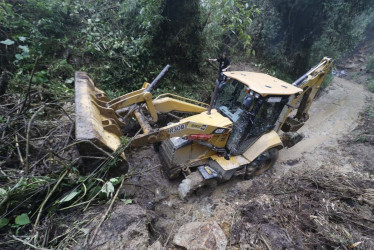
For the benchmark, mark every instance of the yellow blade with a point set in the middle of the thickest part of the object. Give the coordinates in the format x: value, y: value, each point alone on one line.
x: 94, y: 123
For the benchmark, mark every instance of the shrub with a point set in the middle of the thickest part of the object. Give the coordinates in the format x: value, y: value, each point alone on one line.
x: 370, y: 65
x: 371, y: 86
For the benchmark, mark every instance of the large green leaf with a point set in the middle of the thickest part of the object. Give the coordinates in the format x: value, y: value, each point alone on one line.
x: 127, y: 201
x: 22, y: 219
x: 70, y: 196
x: 107, y: 188
x: 25, y: 49
x: 7, y: 42
x: 115, y: 181
x: 19, y: 57
x: 3, y: 222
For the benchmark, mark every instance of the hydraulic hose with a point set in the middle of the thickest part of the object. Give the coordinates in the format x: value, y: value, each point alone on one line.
x: 155, y: 82
x: 303, y: 77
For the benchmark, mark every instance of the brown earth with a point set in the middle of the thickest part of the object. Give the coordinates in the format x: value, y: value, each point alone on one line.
x: 333, y: 117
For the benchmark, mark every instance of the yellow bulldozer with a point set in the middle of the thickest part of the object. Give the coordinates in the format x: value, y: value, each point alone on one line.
x: 237, y: 133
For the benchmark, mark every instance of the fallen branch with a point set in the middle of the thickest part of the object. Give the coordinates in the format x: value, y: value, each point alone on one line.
x: 69, y: 146
x: 63, y: 110
x: 27, y: 97
x: 136, y: 185
x: 262, y: 238
x: 47, y: 198
x: 28, y: 244
x: 5, y: 127
x: 28, y: 138
x: 19, y: 151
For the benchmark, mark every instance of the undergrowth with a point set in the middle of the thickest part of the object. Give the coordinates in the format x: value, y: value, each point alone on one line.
x: 366, y: 128
x: 371, y: 86
x: 41, y: 174
x: 308, y: 210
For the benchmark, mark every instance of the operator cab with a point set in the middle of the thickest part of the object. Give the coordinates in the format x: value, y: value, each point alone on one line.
x: 253, y: 102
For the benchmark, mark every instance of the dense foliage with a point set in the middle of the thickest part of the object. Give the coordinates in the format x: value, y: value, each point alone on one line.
x: 120, y: 43
x: 123, y: 43
x: 294, y: 35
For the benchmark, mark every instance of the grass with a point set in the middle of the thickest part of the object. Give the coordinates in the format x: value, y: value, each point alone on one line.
x: 370, y: 65
x: 370, y: 111
x: 371, y: 86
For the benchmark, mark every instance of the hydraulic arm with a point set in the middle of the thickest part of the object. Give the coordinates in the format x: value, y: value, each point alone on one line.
x: 99, y: 119
x: 310, y: 83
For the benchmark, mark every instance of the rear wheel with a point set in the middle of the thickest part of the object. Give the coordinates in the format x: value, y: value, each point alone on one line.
x: 262, y: 163
x: 190, y: 184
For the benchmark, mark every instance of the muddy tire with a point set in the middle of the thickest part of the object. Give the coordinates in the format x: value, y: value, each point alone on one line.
x: 262, y: 163
x: 190, y: 184
x: 172, y: 173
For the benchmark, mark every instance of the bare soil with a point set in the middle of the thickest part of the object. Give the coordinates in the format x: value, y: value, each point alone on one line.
x: 333, y: 118
x: 320, y: 194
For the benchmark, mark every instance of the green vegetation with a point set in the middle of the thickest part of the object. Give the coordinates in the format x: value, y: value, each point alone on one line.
x: 371, y: 86
x: 124, y: 43
x: 121, y: 43
x: 366, y: 132
x: 294, y: 35
x: 370, y: 65
x: 370, y: 69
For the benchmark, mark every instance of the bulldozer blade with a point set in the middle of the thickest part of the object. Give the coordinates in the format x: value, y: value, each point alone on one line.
x: 97, y: 128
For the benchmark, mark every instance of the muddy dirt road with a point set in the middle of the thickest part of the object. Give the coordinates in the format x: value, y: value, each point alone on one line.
x: 289, y: 207
x: 332, y: 117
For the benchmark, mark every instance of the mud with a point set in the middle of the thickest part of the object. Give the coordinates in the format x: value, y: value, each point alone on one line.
x: 319, y: 194
x: 333, y: 119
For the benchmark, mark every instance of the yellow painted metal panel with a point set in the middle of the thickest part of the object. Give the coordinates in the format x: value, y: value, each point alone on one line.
x: 263, y: 83
x: 311, y: 86
x: 232, y: 163
x: 182, y: 98
x: 125, y: 97
x: 215, y: 119
x: 264, y: 143
x: 136, y: 98
x: 183, y: 129
x: 167, y: 104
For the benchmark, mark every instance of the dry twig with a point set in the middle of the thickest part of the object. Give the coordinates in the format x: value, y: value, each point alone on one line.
x: 47, y: 198
x: 28, y: 244
x: 28, y: 138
